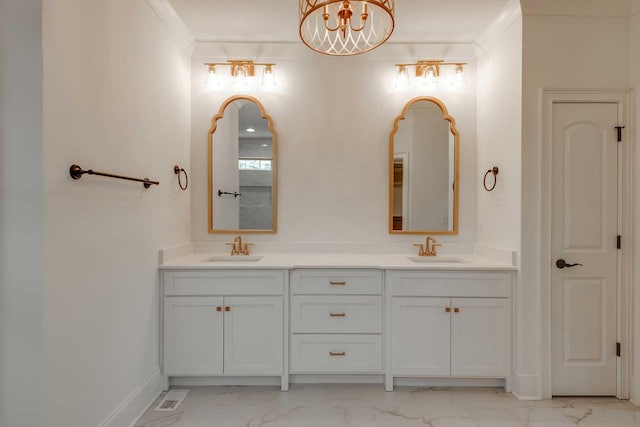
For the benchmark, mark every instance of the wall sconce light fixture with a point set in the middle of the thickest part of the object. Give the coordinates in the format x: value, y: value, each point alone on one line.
x: 428, y: 74
x: 241, y: 72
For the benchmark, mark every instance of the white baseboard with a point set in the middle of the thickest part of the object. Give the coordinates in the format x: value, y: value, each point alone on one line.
x: 222, y: 381
x: 526, y: 386
x: 635, y: 391
x: 336, y: 379
x: 449, y: 382
x: 136, y: 403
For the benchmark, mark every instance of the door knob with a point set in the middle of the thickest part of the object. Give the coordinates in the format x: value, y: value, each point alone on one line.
x: 563, y: 264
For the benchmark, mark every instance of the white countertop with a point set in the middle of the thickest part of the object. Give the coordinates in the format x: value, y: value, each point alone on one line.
x: 286, y: 261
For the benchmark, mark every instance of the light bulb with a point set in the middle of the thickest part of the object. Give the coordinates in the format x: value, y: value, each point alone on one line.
x: 212, y: 80
x: 430, y: 78
x: 402, y: 77
x: 458, y: 79
x: 268, y: 76
x: 240, y: 77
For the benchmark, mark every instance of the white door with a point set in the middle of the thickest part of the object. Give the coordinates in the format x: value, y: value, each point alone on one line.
x: 253, y: 336
x: 480, y: 337
x: 583, y: 231
x: 420, y: 336
x: 193, y: 336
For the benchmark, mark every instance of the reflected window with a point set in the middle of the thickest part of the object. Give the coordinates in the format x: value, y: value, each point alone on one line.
x: 254, y: 164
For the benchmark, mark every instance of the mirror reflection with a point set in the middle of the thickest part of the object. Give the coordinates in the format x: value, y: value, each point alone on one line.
x: 242, y: 169
x: 424, y: 170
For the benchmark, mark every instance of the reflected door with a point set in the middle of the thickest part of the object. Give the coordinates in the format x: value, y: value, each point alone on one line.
x: 584, y: 230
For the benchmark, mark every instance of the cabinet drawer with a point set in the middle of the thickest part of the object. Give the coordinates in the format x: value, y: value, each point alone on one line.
x: 450, y: 283
x: 338, y: 282
x: 336, y: 314
x: 224, y: 282
x: 355, y: 354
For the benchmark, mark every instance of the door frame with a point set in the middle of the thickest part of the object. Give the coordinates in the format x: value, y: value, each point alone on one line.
x: 406, y: 181
x: 624, y: 305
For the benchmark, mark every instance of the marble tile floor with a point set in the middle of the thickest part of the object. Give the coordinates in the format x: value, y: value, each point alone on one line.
x: 338, y: 405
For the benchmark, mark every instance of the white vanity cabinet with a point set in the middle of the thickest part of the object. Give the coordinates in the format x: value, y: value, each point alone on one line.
x: 448, y: 324
x: 224, y: 323
x: 193, y: 336
x: 336, y: 321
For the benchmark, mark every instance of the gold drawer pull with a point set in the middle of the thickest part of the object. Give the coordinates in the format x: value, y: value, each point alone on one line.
x: 337, y: 314
x: 456, y: 310
x: 337, y: 283
x: 448, y: 309
x: 333, y: 353
x: 218, y: 308
x: 227, y: 309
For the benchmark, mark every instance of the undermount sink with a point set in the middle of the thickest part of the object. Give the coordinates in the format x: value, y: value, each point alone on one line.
x: 235, y: 258
x: 434, y: 259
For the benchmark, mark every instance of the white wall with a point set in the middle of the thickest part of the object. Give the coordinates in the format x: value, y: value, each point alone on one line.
x: 500, y: 129
x: 116, y: 99
x: 429, y: 170
x: 21, y: 214
x: 499, y: 144
x: 226, y: 209
x: 573, y: 49
x: 333, y: 117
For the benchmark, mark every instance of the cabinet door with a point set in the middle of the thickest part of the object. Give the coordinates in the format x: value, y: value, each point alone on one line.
x: 254, y: 333
x: 420, y: 336
x: 480, y: 334
x: 193, y: 329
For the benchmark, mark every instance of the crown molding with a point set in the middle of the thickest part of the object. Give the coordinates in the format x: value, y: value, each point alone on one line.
x: 170, y: 18
x: 507, y: 16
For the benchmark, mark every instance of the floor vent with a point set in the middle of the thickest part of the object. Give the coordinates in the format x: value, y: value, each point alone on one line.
x: 172, y: 400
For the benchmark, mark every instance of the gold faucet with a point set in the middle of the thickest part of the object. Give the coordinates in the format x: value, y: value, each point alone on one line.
x: 237, y: 248
x: 429, y: 248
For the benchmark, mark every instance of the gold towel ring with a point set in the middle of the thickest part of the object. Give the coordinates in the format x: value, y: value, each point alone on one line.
x: 494, y: 171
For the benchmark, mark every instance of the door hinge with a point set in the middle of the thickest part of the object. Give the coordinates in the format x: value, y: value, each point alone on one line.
x: 619, y: 129
x: 619, y: 241
x: 618, y: 350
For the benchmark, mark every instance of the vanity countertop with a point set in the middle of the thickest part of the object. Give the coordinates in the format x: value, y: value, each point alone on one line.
x: 286, y: 261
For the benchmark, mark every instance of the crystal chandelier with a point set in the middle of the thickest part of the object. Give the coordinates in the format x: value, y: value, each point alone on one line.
x: 343, y: 27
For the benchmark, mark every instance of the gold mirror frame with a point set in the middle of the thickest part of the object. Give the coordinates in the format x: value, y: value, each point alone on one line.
x: 456, y: 176
x: 274, y: 166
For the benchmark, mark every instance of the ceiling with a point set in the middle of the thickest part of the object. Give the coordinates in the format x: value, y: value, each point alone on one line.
x: 251, y: 117
x: 277, y: 20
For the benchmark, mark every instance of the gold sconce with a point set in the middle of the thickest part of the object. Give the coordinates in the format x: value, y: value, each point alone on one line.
x: 427, y: 73
x: 241, y: 72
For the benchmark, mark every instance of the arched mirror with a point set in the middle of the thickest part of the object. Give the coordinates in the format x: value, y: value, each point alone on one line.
x: 242, y: 169
x: 423, y: 170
